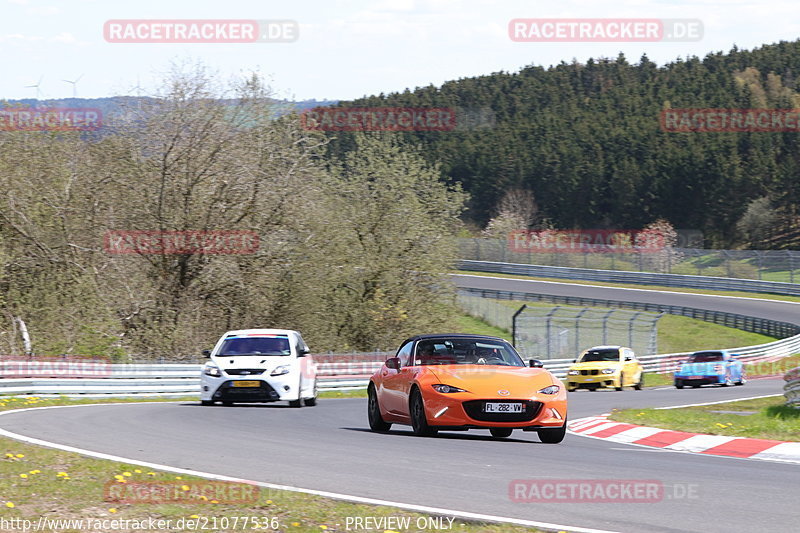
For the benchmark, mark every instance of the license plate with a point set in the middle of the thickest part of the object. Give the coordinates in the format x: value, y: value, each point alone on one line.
x: 697, y: 377
x: 496, y: 407
x: 246, y: 383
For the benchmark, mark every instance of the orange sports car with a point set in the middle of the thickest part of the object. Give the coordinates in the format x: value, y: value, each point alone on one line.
x: 459, y: 382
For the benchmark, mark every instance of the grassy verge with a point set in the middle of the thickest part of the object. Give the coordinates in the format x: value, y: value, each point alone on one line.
x: 683, y: 334
x: 737, y: 294
x: 41, y: 482
x: 675, y: 333
x: 764, y: 418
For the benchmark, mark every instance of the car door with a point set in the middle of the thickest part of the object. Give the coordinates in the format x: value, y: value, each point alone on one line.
x: 630, y: 366
x: 394, y: 396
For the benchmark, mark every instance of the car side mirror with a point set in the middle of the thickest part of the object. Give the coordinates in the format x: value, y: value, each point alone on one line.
x: 574, y: 360
x: 303, y: 353
x: 535, y: 363
x: 628, y: 359
x: 207, y: 353
x: 393, y: 363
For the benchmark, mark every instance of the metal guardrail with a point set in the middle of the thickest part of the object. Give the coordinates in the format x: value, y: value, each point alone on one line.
x: 171, y: 379
x: 764, y: 326
x: 792, y: 388
x: 634, y: 278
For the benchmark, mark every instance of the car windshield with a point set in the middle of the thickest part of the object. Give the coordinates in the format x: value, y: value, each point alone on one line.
x: 272, y: 345
x: 461, y: 351
x: 705, y: 357
x: 600, y: 355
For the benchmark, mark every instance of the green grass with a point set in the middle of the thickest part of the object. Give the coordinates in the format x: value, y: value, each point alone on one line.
x: 476, y: 326
x: 682, y: 334
x: 737, y: 294
x: 772, y: 419
x: 78, y: 493
x: 675, y: 333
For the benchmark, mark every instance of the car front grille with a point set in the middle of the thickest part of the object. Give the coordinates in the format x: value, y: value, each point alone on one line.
x: 263, y: 393
x: 474, y: 410
x: 589, y: 372
x: 244, y: 371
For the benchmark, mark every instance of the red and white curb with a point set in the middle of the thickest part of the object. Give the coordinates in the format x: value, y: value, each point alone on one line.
x: 599, y: 427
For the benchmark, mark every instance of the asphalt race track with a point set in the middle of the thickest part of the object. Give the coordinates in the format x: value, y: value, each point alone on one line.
x: 328, y: 447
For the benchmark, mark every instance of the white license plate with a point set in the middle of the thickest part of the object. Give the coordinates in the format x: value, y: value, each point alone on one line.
x: 497, y: 407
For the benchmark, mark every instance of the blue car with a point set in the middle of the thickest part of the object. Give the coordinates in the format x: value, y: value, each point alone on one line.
x: 710, y: 367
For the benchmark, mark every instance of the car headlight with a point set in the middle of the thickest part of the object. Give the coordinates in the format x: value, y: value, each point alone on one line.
x: 573, y: 372
x: 280, y: 370
x: 211, y: 370
x: 718, y: 368
x: 552, y: 389
x: 608, y: 370
x: 446, y: 389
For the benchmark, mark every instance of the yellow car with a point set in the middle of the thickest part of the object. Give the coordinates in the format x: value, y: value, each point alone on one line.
x: 605, y: 366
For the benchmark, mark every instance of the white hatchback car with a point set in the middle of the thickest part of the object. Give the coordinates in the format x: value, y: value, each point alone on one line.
x: 259, y: 365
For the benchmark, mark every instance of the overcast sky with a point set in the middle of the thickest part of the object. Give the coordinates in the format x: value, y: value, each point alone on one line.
x: 347, y: 49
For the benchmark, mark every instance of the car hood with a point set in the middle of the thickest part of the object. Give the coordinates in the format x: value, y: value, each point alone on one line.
x: 699, y: 368
x: 594, y: 365
x: 266, y: 362
x: 487, y: 380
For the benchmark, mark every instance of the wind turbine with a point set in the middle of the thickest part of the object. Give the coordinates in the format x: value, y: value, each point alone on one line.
x: 36, y: 86
x: 74, y: 85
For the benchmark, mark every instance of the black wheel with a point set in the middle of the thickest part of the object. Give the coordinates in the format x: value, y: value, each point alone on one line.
x: 639, y: 385
x: 621, y: 377
x: 227, y: 404
x: 727, y: 382
x: 311, y: 402
x: 206, y: 402
x: 592, y: 388
x: 695, y: 385
x: 419, y: 422
x: 678, y: 383
x: 500, y: 433
x: 295, y: 403
x: 553, y: 435
x: 376, y: 421
x: 742, y: 379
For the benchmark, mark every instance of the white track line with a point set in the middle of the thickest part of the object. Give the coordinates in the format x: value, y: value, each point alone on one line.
x: 333, y: 495
x: 720, y: 401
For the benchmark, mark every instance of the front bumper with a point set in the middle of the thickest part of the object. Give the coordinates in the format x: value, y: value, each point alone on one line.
x: 464, y: 411
x: 269, y: 389
x: 700, y: 380
x: 592, y: 381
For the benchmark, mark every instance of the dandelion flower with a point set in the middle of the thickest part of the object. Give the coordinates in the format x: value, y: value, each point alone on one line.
x: 184, y: 487
x: 112, y: 510
x: 24, y: 476
x: 10, y: 505
x: 127, y: 474
x: 20, y: 455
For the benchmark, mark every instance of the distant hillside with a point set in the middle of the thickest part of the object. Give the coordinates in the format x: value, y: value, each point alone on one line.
x: 111, y: 105
x: 586, y: 140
